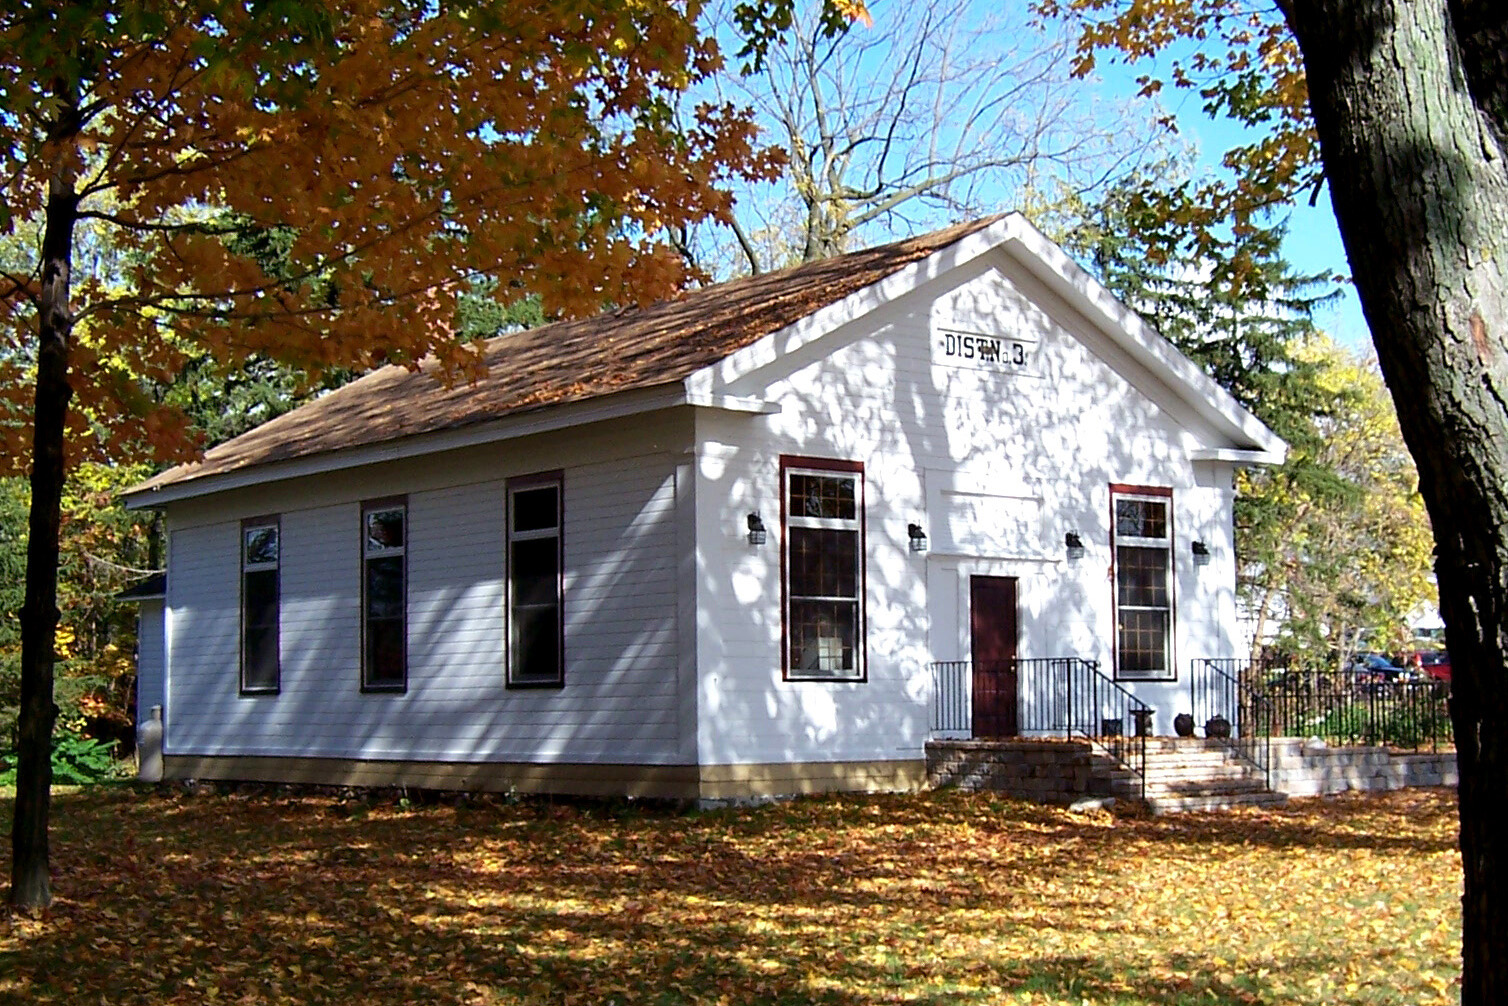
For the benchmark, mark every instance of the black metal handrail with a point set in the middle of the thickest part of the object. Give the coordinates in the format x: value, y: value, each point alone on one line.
x: 1341, y: 707
x: 1222, y: 690
x: 1066, y: 696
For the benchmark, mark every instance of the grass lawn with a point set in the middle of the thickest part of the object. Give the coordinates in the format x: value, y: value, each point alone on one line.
x: 936, y: 898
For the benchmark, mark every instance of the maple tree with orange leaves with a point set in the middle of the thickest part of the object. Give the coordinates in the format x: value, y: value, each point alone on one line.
x: 400, y: 150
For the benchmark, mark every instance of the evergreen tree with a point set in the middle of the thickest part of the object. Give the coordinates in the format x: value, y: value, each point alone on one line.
x: 1235, y: 307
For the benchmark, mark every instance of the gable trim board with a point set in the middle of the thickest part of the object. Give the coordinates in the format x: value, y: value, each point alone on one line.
x: 675, y: 634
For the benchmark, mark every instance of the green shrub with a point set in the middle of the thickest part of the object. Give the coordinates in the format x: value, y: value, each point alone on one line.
x: 76, y: 761
x: 1395, y: 725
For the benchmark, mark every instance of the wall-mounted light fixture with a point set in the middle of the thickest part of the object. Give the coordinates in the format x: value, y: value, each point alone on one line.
x: 918, y: 537
x: 1074, y: 545
x: 757, y: 533
x: 1201, y: 553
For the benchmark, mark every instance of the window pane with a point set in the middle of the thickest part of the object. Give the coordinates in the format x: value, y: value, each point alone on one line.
x: 384, y: 664
x: 824, y: 563
x: 384, y: 529
x: 259, y: 660
x: 259, y: 630
x: 1141, y: 518
x: 536, y: 643
x: 385, y: 587
x: 829, y: 496
x: 536, y: 509
x: 535, y: 570
x: 823, y: 637
x: 261, y: 544
x: 260, y: 598
x: 1141, y: 576
x: 1143, y: 642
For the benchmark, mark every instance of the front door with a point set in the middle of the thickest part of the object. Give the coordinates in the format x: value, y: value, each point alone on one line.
x: 992, y: 619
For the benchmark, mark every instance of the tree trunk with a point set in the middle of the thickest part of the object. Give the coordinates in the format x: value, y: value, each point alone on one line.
x: 1409, y: 103
x: 31, y: 886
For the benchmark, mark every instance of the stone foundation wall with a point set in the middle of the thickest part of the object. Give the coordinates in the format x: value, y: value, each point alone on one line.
x: 1304, y: 771
x: 1045, y: 771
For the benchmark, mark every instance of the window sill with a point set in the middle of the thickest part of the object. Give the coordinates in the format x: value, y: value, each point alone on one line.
x: 534, y: 686
x: 828, y: 679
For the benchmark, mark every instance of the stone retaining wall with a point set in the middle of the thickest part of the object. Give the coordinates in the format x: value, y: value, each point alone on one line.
x: 1301, y: 770
x: 1047, y: 771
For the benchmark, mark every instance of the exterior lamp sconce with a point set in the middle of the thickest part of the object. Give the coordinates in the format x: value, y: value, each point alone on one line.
x: 757, y: 533
x: 918, y: 537
x: 1201, y: 553
x: 1074, y: 545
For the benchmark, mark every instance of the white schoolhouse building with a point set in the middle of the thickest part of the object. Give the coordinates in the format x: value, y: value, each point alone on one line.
x: 769, y: 537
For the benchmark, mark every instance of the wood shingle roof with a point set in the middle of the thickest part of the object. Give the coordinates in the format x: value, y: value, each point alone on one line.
x: 569, y: 361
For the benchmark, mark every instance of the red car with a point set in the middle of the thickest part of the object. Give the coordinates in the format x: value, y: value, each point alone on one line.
x: 1435, y: 663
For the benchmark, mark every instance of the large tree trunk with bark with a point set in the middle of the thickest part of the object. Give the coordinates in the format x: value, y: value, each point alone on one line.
x: 1410, y: 100
x: 31, y: 886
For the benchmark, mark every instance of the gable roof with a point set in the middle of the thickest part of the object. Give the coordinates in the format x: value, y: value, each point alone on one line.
x: 675, y: 345
x: 568, y: 361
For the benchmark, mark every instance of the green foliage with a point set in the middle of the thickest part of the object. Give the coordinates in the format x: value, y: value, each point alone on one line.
x: 223, y: 400
x: 14, y: 498
x: 1398, y: 724
x: 104, y: 550
x: 479, y: 315
x: 76, y: 761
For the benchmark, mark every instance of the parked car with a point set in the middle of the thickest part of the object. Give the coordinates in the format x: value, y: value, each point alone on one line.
x: 1376, y: 667
x: 1434, y: 664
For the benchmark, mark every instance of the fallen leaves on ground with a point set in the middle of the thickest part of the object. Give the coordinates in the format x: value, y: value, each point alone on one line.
x: 175, y: 897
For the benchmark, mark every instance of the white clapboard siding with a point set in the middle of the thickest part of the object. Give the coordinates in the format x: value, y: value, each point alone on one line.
x: 204, y: 623
x: 619, y: 704
x: 151, y: 654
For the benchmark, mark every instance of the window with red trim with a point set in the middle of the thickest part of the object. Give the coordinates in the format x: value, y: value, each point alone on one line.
x: 1143, y: 534
x: 823, y: 562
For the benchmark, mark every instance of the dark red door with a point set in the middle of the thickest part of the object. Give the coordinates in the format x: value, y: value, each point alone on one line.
x: 992, y: 618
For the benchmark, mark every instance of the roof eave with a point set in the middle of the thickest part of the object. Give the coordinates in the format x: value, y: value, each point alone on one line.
x: 511, y: 427
x: 1240, y: 456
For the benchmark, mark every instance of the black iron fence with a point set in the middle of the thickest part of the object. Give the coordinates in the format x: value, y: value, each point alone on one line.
x: 1042, y: 696
x: 1227, y: 708
x: 1341, y: 707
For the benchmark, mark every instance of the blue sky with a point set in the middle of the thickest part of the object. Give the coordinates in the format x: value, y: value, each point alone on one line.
x: 1107, y: 99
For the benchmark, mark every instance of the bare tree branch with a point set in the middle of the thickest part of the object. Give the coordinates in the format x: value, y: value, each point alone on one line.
x: 937, y: 112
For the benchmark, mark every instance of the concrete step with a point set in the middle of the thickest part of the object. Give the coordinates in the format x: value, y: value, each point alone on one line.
x: 1184, y: 774
x: 1210, y: 802
x: 1187, y: 764
x: 1177, y: 773
x: 1233, y: 783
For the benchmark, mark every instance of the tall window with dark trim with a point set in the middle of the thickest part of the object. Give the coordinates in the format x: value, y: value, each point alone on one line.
x: 260, y: 603
x: 1143, y: 584
x: 384, y: 609
x: 536, y: 641
x: 823, y: 564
